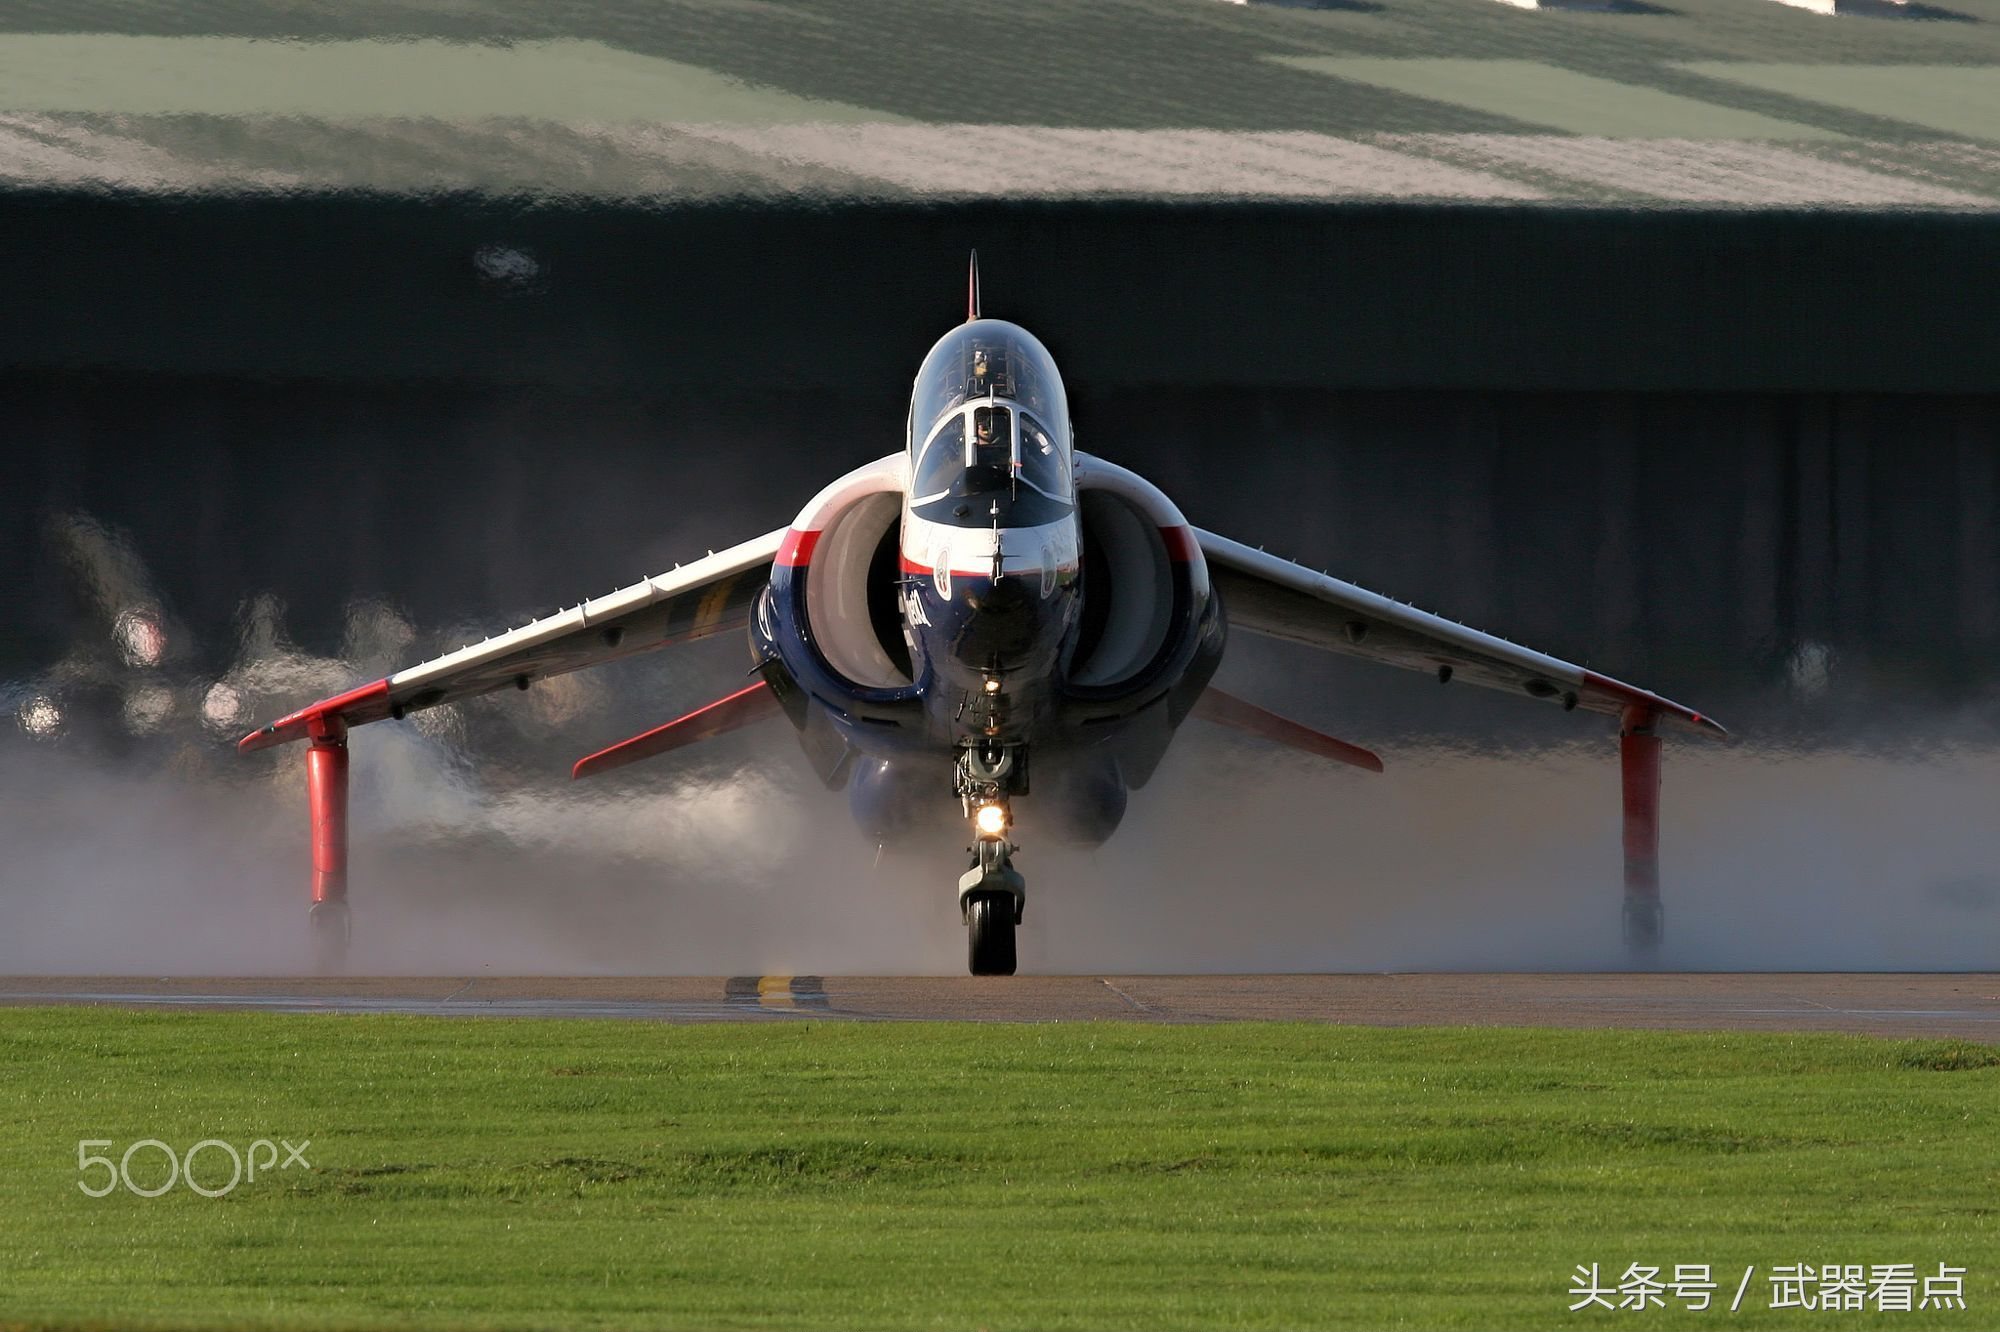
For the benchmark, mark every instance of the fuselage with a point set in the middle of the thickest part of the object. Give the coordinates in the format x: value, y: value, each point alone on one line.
x: 983, y: 636
x: 990, y: 547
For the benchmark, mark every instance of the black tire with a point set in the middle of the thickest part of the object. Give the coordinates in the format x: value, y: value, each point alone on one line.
x: 331, y: 929
x: 1645, y: 928
x: 989, y: 934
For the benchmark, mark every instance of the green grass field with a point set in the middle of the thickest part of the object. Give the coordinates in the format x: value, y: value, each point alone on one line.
x: 610, y: 1174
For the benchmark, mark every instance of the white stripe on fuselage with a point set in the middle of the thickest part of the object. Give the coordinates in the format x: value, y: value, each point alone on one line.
x: 967, y: 552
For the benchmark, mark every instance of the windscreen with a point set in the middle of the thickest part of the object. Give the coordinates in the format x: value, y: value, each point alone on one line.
x: 991, y: 464
x: 1044, y: 463
x: 948, y: 466
x: 942, y: 459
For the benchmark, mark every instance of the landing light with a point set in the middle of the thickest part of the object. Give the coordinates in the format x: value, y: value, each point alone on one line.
x: 991, y: 820
x: 992, y: 685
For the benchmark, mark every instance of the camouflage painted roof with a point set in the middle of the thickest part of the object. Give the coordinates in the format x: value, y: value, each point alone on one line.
x: 1745, y: 102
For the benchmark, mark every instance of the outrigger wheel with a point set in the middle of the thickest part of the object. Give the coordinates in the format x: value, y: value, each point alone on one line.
x: 331, y: 928
x: 1645, y: 926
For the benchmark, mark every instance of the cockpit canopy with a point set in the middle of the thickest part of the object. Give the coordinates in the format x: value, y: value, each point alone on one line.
x: 989, y: 418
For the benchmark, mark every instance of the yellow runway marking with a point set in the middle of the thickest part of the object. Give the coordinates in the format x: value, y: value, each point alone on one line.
x: 793, y: 993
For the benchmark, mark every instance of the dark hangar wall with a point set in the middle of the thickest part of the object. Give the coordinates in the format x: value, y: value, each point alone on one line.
x: 837, y: 295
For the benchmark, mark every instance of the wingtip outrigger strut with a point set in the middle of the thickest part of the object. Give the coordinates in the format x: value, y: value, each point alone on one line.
x: 326, y: 798
x: 1639, y: 763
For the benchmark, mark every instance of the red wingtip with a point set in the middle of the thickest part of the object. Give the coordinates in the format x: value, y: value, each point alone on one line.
x: 369, y: 702
x: 1628, y: 697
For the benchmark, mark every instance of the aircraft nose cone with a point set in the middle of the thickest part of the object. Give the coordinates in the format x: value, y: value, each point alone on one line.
x: 1008, y: 623
x: 1007, y: 595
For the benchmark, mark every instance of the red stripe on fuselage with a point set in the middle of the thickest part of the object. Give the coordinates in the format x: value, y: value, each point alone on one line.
x: 797, y: 549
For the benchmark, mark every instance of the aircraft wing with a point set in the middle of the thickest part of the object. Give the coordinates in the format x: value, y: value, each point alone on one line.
x: 710, y: 596
x: 1280, y: 599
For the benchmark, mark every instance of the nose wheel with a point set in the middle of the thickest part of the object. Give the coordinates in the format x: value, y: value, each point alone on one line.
x: 989, y: 934
x: 990, y: 896
x: 992, y: 892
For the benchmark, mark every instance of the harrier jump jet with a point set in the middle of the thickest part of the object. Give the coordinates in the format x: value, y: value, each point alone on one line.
x: 983, y: 611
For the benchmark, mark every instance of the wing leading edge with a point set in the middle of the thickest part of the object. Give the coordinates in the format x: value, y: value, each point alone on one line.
x: 1277, y: 598
x: 710, y: 596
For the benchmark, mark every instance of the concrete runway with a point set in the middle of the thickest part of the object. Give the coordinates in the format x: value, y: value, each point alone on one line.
x: 1883, y: 1004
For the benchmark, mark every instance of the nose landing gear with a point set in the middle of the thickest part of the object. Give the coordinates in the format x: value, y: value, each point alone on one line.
x: 990, y: 897
x: 992, y: 892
